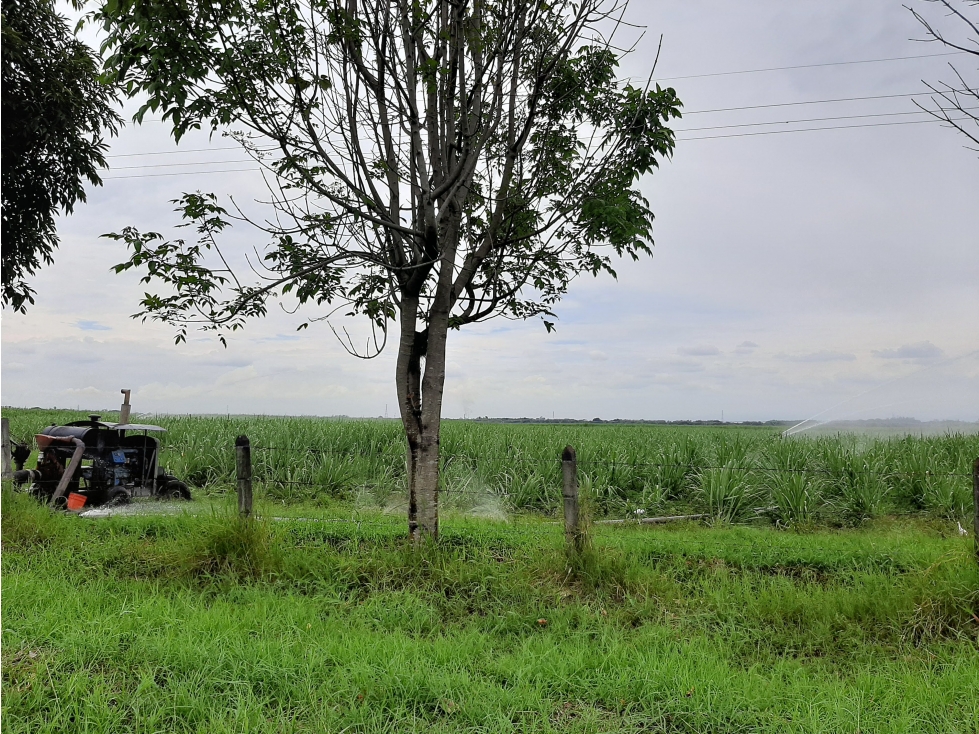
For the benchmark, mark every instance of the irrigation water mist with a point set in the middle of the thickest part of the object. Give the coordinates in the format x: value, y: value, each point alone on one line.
x: 852, y: 414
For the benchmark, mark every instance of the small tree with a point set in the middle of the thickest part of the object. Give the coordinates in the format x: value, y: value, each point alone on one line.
x: 954, y: 103
x: 56, y: 115
x: 433, y: 162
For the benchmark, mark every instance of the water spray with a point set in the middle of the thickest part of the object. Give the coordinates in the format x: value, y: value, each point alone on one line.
x: 812, y: 419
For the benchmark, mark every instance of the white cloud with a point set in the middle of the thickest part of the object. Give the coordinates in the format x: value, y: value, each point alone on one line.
x: 825, y: 355
x: 685, y: 365
x: 705, y: 350
x: 85, y: 392
x: 91, y: 326
x: 918, y: 352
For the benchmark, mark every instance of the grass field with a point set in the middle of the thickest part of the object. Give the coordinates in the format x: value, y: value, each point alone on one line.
x: 204, y: 624
x: 318, y: 617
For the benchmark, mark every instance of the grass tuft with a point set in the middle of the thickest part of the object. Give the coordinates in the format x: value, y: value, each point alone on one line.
x: 946, y: 601
x: 234, y: 547
x: 26, y: 522
x: 726, y: 493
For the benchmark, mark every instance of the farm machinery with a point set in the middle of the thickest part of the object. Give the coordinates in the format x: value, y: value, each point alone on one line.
x: 93, y: 462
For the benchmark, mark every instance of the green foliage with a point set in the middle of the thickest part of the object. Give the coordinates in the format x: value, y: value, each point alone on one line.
x: 796, y: 497
x: 946, y: 599
x: 946, y: 496
x: 26, y: 523
x: 863, y: 497
x: 228, y: 546
x: 56, y: 115
x: 726, y: 493
x: 531, y: 171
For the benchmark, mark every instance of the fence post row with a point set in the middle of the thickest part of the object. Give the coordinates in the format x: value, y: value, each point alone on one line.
x: 572, y: 526
x: 243, y: 468
x: 5, y: 430
x: 975, y: 505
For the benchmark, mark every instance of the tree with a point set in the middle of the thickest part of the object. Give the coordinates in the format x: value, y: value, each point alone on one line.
x: 954, y: 103
x: 433, y: 163
x: 56, y: 115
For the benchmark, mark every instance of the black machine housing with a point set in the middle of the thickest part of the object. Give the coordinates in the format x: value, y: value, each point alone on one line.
x: 119, y: 461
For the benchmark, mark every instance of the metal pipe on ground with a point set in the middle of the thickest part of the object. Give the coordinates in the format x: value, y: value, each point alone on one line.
x: 654, y: 520
x: 76, y: 459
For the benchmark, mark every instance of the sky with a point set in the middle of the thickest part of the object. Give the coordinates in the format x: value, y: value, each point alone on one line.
x: 829, y: 272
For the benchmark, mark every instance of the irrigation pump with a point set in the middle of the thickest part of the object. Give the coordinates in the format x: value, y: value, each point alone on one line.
x: 93, y: 462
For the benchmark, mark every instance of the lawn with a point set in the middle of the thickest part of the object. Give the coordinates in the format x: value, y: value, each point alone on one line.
x: 204, y: 623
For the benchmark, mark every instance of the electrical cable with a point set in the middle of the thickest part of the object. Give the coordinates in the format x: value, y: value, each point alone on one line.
x: 716, y: 127
x: 174, y: 152
x: 811, y: 119
x: 814, y: 129
x: 178, y: 173
x: 192, y: 163
x: 823, y: 101
x: 693, y: 112
x: 679, y: 139
x: 808, y: 66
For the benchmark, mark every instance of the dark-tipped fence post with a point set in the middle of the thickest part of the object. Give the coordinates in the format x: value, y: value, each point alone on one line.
x: 572, y: 520
x: 975, y: 506
x: 5, y: 431
x: 243, y: 468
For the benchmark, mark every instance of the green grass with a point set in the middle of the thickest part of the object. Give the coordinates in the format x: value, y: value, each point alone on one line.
x: 727, y: 471
x: 202, y: 623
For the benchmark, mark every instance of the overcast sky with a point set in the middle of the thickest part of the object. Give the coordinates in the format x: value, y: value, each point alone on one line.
x: 794, y: 272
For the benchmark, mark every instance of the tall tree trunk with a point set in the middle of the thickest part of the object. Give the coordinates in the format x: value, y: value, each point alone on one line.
x: 420, y: 391
x: 420, y: 401
x: 426, y: 475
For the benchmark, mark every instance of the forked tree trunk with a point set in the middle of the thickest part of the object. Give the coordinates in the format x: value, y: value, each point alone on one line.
x: 421, y: 379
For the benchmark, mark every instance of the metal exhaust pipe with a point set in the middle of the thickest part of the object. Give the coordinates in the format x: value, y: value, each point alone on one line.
x: 124, y: 408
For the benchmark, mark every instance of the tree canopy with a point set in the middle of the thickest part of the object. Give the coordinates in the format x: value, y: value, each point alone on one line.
x: 56, y: 116
x: 432, y: 163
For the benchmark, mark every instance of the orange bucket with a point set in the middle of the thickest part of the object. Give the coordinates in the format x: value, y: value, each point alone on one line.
x: 76, y: 501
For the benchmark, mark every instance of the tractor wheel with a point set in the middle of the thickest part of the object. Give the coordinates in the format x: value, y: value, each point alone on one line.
x: 175, y: 490
x: 118, y: 496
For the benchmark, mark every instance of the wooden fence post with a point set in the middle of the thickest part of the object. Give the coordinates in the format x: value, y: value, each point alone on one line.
x: 5, y: 431
x: 572, y: 524
x: 975, y: 505
x: 243, y: 467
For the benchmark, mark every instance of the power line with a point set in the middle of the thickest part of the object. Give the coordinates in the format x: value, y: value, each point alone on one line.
x: 808, y: 66
x: 178, y: 173
x: 813, y: 129
x: 681, y: 139
x: 685, y: 113
x: 173, y: 152
x: 812, y: 119
x: 681, y: 132
x: 692, y: 129
x: 817, y: 101
x: 192, y: 163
